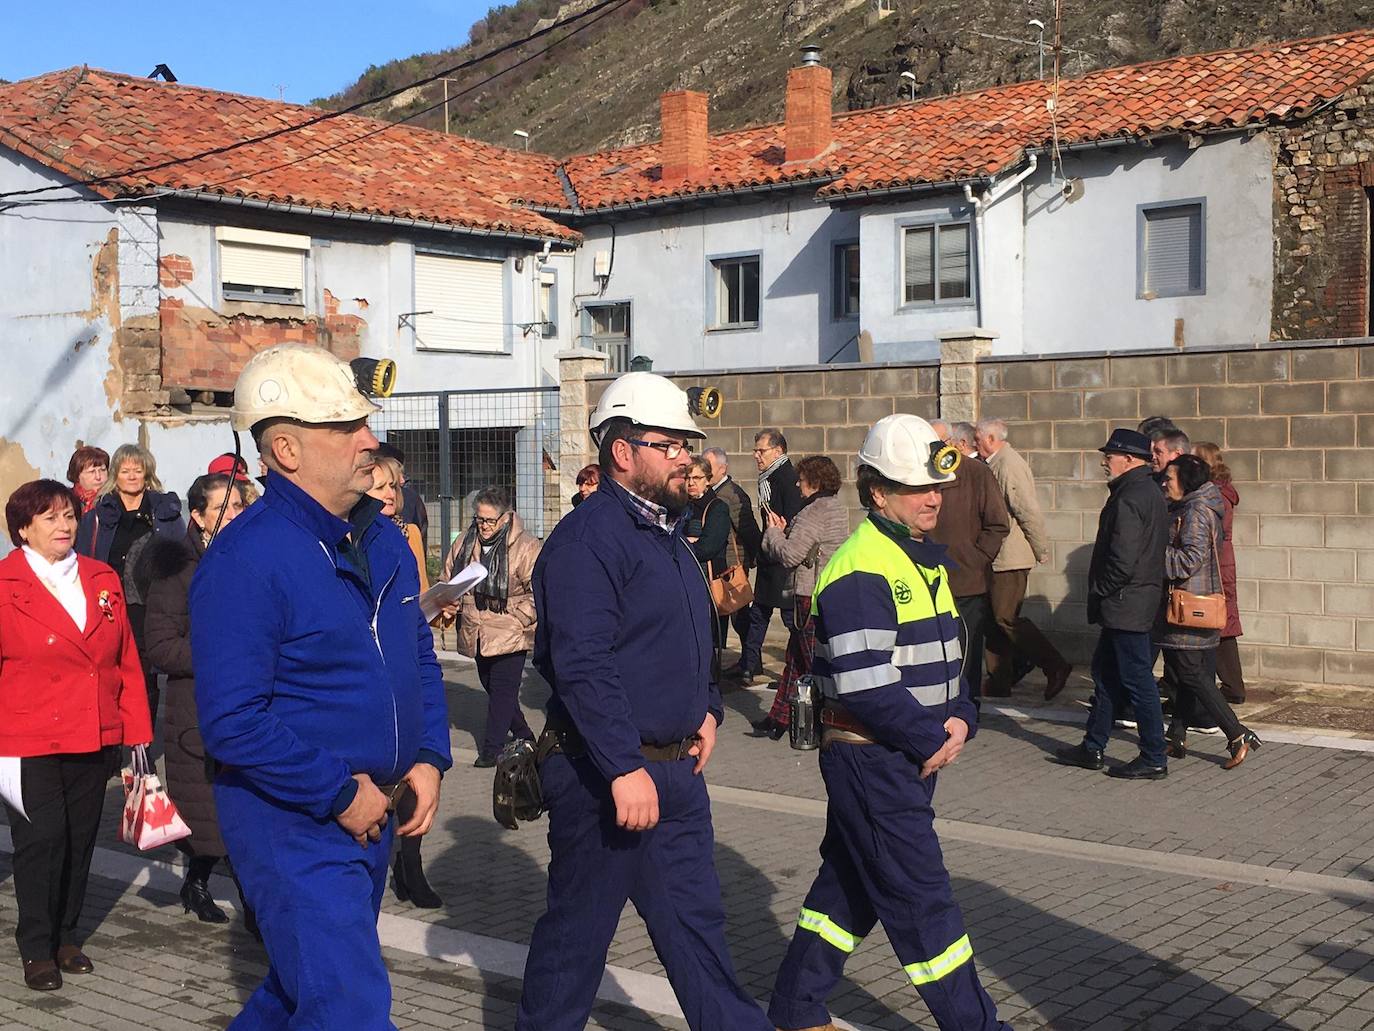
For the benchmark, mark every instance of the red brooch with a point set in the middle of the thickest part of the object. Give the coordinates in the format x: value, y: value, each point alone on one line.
x: 104, y: 602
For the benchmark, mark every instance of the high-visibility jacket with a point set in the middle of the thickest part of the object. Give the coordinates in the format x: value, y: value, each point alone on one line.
x: 888, y: 639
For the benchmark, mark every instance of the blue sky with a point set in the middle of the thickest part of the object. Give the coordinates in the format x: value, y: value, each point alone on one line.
x: 312, y: 49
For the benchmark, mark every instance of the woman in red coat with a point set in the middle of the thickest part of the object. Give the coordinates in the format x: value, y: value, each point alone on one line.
x: 71, y: 690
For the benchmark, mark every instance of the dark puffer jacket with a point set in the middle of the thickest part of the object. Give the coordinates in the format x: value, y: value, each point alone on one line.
x: 168, y: 566
x: 1126, y: 576
x: 1192, y: 563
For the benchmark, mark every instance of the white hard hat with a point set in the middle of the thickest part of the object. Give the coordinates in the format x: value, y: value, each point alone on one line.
x: 646, y: 399
x: 906, y: 450
x: 301, y: 382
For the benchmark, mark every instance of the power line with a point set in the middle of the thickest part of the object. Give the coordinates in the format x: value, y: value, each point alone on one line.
x: 596, y: 8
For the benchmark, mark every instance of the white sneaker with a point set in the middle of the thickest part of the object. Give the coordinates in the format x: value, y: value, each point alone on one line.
x: 1204, y: 730
x: 1124, y: 724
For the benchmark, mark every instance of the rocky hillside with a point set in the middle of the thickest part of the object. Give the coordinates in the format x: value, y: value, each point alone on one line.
x: 600, y: 87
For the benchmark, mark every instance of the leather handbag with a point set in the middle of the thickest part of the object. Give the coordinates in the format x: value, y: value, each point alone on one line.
x: 730, y: 588
x: 1198, y: 611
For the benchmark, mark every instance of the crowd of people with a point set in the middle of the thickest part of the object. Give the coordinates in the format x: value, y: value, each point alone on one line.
x: 116, y: 584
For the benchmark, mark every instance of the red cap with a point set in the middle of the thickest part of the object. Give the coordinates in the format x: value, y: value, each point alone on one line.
x: 224, y: 464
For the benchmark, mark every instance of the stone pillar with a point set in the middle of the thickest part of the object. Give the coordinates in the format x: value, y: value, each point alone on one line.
x: 960, y: 350
x: 575, y: 448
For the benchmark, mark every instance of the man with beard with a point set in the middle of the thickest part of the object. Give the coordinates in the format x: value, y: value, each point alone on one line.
x: 624, y: 640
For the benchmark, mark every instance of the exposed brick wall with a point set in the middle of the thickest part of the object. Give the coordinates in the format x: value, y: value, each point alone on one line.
x: 174, y: 270
x: 203, y: 350
x: 1321, y: 221
x: 1296, y: 425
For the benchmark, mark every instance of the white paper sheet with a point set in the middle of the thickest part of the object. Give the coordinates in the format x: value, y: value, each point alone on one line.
x: 441, y: 595
x: 9, y: 783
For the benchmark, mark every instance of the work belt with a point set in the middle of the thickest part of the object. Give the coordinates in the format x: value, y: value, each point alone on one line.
x: 399, y: 799
x: 565, y: 738
x: 838, y: 726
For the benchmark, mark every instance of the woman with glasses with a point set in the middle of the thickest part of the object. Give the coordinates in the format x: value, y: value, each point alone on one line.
x: 708, y: 529
x: 496, y: 618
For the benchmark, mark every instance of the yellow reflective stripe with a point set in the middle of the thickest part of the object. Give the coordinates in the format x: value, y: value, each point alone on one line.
x: 946, y: 962
x: 829, y: 931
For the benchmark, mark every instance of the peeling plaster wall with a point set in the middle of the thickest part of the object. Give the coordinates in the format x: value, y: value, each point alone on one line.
x: 72, y: 276
x: 358, y: 284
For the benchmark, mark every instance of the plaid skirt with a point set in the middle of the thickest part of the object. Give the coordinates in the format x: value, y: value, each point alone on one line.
x: 801, y: 648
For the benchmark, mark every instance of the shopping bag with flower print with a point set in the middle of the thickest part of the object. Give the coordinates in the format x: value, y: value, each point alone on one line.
x: 150, y: 819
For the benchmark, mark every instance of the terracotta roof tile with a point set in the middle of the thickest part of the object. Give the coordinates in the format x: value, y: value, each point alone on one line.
x: 975, y: 135
x: 89, y: 124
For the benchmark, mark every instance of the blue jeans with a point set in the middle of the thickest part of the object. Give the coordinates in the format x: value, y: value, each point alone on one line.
x: 751, y: 658
x: 1124, y: 673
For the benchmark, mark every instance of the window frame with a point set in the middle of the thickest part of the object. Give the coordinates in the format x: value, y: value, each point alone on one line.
x: 839, y: 277
x: 591, y: 337
x: 262, y: 239
x: 548, y: 323
x: 1142, y: 212
x: 937, y: 302
x: 418, y: 251
x: 715, y: 287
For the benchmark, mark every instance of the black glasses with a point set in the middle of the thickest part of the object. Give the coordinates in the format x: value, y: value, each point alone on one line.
x: 671, y: 448
x: 480, y: 521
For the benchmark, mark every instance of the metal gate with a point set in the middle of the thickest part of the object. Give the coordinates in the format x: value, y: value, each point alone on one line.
x: 458, y: 441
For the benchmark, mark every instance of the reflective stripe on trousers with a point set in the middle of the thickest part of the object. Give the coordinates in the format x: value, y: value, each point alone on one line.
x: 831, y: 932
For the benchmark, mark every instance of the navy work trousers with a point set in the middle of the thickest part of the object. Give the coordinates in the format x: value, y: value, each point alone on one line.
x: 881, y: 861
x: 751, y: 659
x: 1123, y: 673
x: 500, y: 677
x: 316, y: 895
x: 669, y: 874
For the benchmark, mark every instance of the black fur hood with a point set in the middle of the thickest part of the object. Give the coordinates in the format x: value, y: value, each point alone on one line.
x: 164, y: 558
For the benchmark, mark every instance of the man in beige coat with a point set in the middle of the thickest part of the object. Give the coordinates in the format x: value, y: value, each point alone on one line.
x: 1024, y: 547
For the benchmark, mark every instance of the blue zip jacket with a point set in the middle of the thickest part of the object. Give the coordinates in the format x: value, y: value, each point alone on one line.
x: 310, y: 669
x: 624, y: 631
x: 96, y: 531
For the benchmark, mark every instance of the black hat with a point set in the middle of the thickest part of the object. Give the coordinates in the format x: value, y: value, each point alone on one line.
x: 1127, y: 442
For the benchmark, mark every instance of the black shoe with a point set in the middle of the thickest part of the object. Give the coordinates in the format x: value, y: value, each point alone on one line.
x: 196, y: 897
x: 250, y: 920
x: 71, y: 960
x: 1138, y: 769
x: 408, y: 878
x: 769, y: 728
x: 42, y: 975
x: 484, y: 762
x: 1081, y: 756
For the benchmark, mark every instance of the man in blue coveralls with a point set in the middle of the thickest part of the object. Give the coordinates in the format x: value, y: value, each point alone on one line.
x: 896, y: 709
x: 319, y: 694
x: 624, y: 640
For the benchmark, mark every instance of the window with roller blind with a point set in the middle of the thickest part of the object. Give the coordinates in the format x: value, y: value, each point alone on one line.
x: 937, y: 264
x: 256, y: 265
x: 460, y: 303
x: 1171, y: 249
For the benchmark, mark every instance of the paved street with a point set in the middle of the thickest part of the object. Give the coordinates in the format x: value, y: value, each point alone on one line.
x: 1213, y: 900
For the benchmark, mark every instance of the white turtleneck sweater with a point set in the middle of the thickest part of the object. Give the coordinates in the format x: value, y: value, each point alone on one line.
x: 63, y: 580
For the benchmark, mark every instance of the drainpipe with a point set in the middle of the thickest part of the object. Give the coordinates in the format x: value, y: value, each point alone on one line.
x: 991, y: 196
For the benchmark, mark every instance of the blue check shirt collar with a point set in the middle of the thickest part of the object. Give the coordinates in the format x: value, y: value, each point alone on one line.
x: 653, y: 514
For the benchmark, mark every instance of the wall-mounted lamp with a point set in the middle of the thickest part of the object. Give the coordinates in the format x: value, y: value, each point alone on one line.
x: 524, y: 136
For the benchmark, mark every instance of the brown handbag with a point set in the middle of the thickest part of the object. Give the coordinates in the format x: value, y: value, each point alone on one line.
x: 730, y: 589
x: 1198, y: 611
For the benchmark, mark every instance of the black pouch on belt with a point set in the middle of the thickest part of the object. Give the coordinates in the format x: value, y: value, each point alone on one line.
x: 516, y: 794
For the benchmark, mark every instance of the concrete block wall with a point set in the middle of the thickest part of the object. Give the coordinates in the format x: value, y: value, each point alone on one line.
x: 1296, y: 423
x: 820, y: 411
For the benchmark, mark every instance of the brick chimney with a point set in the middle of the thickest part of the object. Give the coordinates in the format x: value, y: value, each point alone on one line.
x: 683, y: 115
x: 806, y: 130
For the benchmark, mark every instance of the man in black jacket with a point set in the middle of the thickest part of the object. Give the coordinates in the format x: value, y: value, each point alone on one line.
x: 778, y: 492
x: 742, y: 522
x: 1125, y: 587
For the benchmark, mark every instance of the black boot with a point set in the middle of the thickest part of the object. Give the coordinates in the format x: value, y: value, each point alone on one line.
x: 250, y: 922
x: 408, y: 877
x: 195, y: 891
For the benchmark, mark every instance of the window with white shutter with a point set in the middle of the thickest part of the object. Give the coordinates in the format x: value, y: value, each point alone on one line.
x: 937, y: 264
x: 461, y: 304
x: 256, y: 265
x: 1171, y: 250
